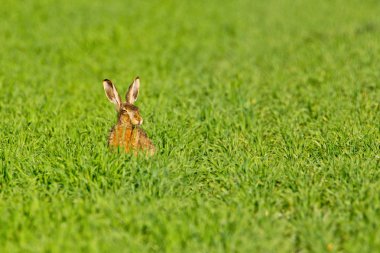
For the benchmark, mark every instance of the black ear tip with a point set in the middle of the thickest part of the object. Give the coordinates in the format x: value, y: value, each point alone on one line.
x: 137, y: 77
x: 107, y: 81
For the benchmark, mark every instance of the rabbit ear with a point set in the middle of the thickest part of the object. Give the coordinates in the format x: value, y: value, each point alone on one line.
x: 133, y: 91
x: 112, y: 94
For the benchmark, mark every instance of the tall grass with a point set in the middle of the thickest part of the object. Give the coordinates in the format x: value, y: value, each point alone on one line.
x: 265, y: 115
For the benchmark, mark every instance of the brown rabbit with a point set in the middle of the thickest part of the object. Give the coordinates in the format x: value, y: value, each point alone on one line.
x: 127, y: 134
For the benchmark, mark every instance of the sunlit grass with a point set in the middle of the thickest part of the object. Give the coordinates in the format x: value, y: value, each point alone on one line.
x: 265, y: 116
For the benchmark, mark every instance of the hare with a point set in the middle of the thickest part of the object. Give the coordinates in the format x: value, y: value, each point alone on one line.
x: 127, y: 134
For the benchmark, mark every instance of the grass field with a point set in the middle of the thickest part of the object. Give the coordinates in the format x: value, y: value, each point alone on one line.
x: 266, y: 116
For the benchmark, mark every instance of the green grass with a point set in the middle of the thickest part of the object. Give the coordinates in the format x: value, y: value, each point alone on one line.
x: 266, y: 116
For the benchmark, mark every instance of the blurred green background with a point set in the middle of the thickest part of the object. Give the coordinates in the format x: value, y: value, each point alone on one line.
x: 265, y: 115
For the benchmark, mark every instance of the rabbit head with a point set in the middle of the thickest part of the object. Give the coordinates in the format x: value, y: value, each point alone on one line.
x: 128, y: 114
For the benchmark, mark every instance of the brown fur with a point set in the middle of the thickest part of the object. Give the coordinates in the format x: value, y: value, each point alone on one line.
x: 127, y: 134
